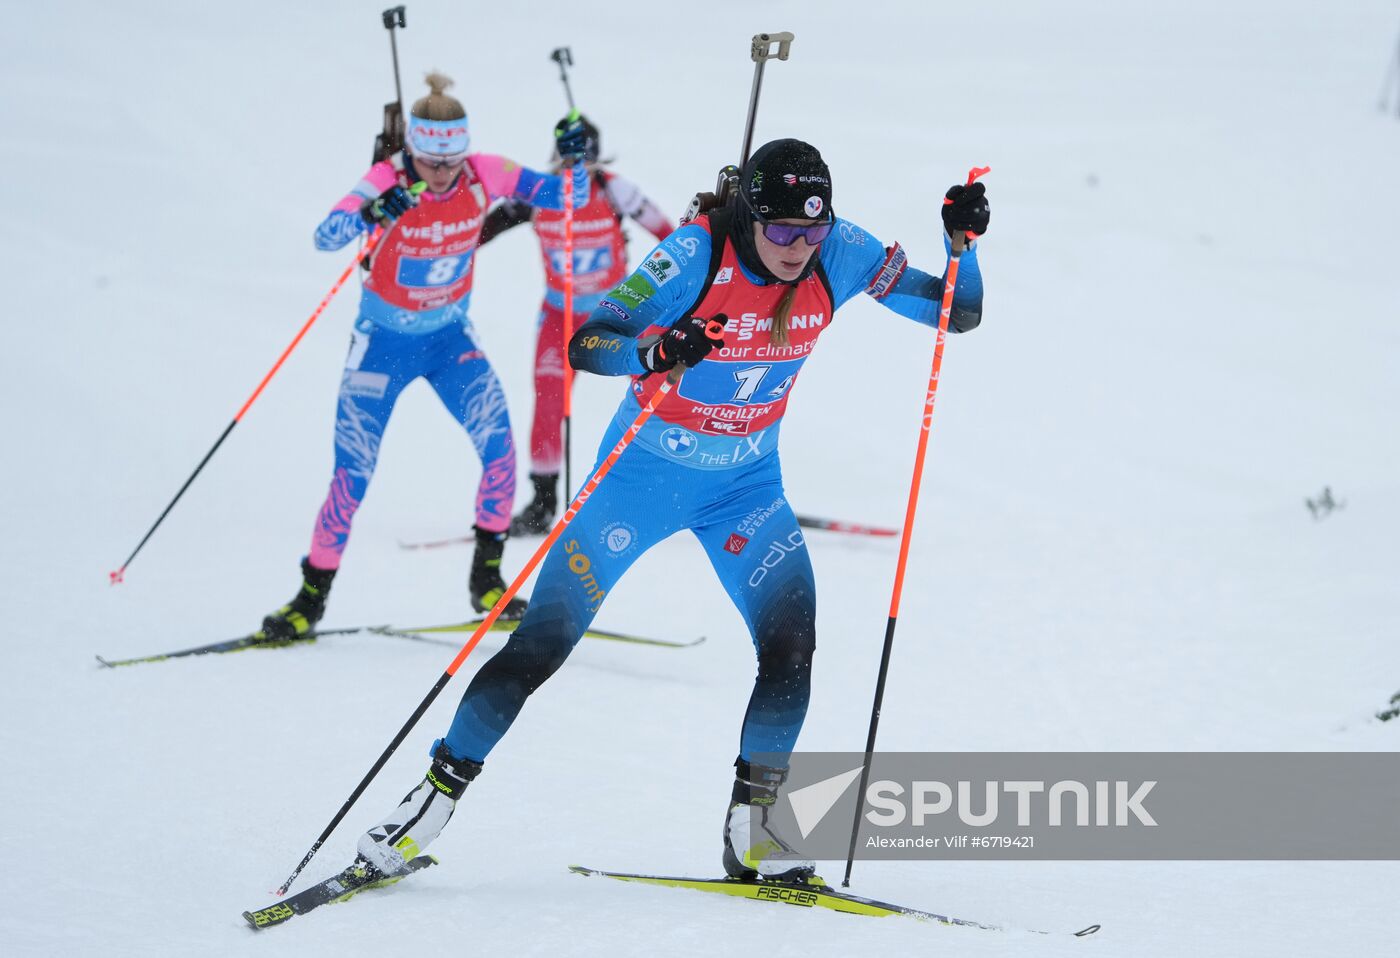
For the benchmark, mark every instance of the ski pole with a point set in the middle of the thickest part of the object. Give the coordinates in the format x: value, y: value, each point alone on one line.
x: 119, y: 575
x: 761, y: 51
x: 568, y: 320
x: 950, y: 281
x: 565, y: 58
x: 390, y: 141
x: 715, y: 329
x: 1393, y: 70
x: 394, y: 17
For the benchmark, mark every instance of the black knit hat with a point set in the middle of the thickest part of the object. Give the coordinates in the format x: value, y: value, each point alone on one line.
x: 787, y: 179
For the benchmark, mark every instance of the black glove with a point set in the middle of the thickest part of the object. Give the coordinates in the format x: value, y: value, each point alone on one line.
x: 965, y: 210
x: 389, y: 205
x: 576, y: 139
x: 687, y: 342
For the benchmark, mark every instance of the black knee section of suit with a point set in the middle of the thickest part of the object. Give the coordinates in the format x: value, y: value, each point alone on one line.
x: 786, y: 635
x: 526, y: 662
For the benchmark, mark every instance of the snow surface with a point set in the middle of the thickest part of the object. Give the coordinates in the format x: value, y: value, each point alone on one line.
x: 1190, y: 327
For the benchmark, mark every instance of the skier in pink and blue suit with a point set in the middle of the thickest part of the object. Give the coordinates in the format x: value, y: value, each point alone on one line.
x: 413, y: 322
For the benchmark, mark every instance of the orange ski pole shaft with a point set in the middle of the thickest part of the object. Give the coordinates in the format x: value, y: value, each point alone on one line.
x: 945, y: 312
x: 118, y: 575
x: 568, y: 322
x: 588, y: 489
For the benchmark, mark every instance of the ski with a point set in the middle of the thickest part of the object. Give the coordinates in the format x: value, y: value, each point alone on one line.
x: 229, y: 645
x: 437, y: 543
x: 806, y: 522
x: 813, y: 893
x: 504, y: 625
x: 501, y: 625
x: 850, y: 528
x: 351, y: 882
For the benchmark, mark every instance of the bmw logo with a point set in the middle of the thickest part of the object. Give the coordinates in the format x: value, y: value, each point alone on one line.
x: 678, y: 442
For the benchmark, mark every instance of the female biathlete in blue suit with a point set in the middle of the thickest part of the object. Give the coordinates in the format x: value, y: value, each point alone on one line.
x: 772, y: 265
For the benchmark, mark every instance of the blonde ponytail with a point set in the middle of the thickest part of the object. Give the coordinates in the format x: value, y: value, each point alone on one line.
x: 778, y: 335
x: 437, y: 105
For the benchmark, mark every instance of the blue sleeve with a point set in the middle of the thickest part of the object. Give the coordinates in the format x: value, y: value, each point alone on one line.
x: 853, y: 258
x: 338, y: 229
x: 546, y: 190
x: 658, y: 292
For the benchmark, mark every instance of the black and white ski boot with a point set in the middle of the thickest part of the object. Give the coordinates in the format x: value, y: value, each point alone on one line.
x: 423, y: 813
x: 299, y: 616
x: 537, y: 518
x: 486, y: 583
x: 752, y: 849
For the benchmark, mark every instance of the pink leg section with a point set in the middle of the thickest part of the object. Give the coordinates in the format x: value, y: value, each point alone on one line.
x: 546, y: 443
x: 496, y: 494
x: 332, y: 530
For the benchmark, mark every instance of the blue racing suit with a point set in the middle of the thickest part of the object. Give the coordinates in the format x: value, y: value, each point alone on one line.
x: 706, y: 461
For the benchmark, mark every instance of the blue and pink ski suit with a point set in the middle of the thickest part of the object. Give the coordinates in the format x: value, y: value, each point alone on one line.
x: 413, y: 322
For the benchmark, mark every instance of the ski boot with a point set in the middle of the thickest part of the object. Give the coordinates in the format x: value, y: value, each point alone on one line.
x: 486, y: 583
x: 751, y: 848
x: 537, y: 518
x: 423, y: 813
x: 300, y: 615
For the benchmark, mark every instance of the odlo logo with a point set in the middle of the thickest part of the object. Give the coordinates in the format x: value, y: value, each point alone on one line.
x: 778, y: 550
x: 581, y: 566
